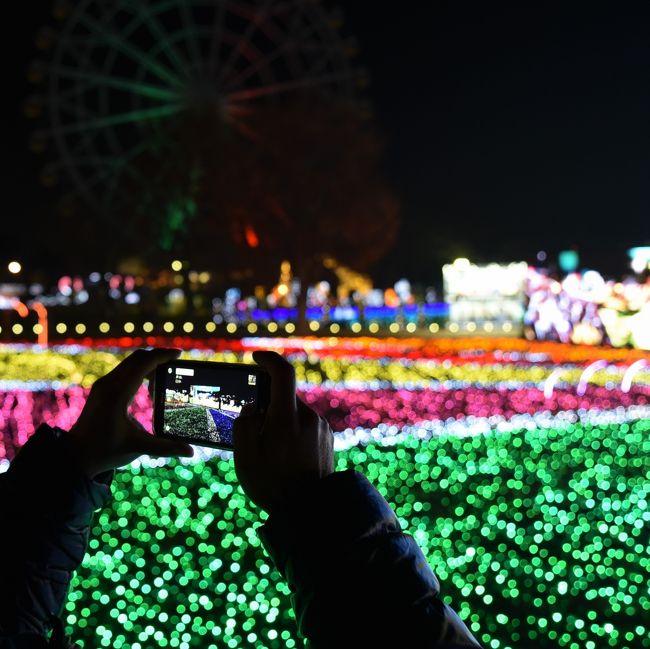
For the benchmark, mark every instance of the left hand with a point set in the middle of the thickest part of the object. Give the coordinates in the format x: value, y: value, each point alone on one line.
x: 105, y: 436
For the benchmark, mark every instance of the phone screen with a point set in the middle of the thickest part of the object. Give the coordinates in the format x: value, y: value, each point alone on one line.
x: 200, y: 401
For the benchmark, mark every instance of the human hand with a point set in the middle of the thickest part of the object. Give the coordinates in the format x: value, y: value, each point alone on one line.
x: 105, y: 436
x: 285, y: 449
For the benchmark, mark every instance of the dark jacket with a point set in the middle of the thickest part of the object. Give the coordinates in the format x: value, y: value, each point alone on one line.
x: 46, y: 506
x: 357, y: 580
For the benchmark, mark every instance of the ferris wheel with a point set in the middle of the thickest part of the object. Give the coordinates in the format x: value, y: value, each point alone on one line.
x: 117, y: 70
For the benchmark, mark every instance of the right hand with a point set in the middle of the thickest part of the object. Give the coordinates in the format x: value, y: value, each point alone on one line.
x: 279, y: 453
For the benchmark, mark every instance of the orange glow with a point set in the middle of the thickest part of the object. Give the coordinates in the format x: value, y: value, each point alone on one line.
x: 251, y: 237
x: 22, y: 309
x: 41, y: 312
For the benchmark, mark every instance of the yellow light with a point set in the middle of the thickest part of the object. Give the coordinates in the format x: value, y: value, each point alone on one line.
x: 394, y: 327
x: 17, y: 329
x: 488, y: 326
x: 188, y: 327
x: 356, y: 327
x: 80, y: 328
x: 37, y: 329
x: 373, y: 327
x: 252, y: 328
x: 434, y: 327
x: 129, y: 327
x: 177, y: 265
x: 204, y: 277
x: 0, y: 330
x: 334, y: 328
x: 231, y: 327
x: 147, y: 327
x: 462, y: 263
x: 210, y: 327
x: 410, y: 327
x: 453, y: 327
x: 14, y: 267
x: 471, y: 326
x: 61, y: 328
x: 290, y: 327
x: 168, y: 327
x: 507, y: 326
x: 272, y: 327
x: 283, y: 289
x: 104, y: 327
x: 314, y: 326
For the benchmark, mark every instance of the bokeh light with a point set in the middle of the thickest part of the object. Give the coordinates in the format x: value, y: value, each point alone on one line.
x: 532, y: 511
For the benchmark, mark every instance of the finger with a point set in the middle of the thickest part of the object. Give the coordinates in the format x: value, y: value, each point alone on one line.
x: 153, y: 445
x: 248, y: 410
x: 307, y: 415
x: 283, y: 384
x: 246, y: 439
x: 127, y: 377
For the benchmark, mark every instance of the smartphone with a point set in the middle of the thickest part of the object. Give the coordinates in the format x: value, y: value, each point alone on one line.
x: 198, y: 401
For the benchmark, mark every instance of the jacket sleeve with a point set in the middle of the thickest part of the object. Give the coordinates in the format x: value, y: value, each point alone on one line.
x: 47, y: 506
x: 356, y: 579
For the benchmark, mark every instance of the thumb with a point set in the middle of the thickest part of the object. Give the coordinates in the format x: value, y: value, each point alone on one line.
x: 163, y: 447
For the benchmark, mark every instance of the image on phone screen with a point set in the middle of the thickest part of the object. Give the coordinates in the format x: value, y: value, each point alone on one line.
x: 201, y: 403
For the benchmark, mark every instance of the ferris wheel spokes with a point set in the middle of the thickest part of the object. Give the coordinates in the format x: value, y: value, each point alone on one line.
x: 131, y: 117
x: 133, y: 52
x: 287, y: 86
x: 118, y: 83
x: 267, y: 59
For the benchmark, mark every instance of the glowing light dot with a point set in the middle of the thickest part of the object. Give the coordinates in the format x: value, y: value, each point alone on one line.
x: 104, y: 327
x: 147, y: 327
x: 373, y: 327
x: 210, y: 327
x: 356, y: 327
x: 335, y: 328
x: 453, y: 327
x: 37, y: 329
x: 177, y: 265
x: 17, y: 329
x: 129, y: 327
x: 168, y: 327
x: 252, y: 328
x: 394, y: 327
x: 231, y: 327
x: 14, y: 267
x: 411, y: 327
x: 272, y: 327
x: 434, y: 327
x: 188, y: 327
x: 314, y: 326
x: 290, y: 327
x: 61, y: 328
x: 80, y: 328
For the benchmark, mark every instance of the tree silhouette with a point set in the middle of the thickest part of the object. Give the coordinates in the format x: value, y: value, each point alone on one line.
x: 296, y: 180
x: 230, y: 190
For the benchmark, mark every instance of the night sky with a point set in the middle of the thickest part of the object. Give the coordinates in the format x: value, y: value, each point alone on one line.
x: 509, y: 129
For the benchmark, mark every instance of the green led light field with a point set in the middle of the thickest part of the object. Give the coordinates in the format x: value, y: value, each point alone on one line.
x: 540, y: 538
